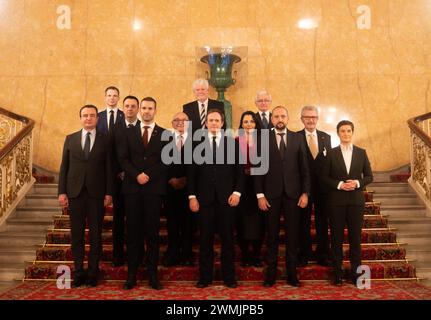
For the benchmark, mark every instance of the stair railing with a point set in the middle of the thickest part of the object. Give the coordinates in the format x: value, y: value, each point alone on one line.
x: 16, y: 160
x: 420, y: 157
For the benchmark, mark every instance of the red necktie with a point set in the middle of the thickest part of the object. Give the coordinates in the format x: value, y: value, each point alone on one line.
x: 145, y: 136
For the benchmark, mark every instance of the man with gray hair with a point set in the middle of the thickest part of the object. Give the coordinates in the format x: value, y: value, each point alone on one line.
x: 197, y: 110
x: 319, y: 145
x: 263, y: 103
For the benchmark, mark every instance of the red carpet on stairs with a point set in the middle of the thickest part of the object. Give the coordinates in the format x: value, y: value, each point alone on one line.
x: 251, y: 291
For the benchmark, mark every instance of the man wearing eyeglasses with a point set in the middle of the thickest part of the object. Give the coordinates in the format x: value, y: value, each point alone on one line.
x: 319, y: 144
x: 176, y: 204
x: 263, y: 103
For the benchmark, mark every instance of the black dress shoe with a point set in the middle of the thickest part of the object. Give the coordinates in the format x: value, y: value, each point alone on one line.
x: 338, y: 281
x: 292, y: 279
x: 231, y: 284
x: 91, y: 281
x: 323, y: 262
x: 79, y: 280
x: 268, y: 283
x: 129, y: 284
x: 202, y: 284
x: 155, y: 284
x: 117, y: 263
x: 354, y: 280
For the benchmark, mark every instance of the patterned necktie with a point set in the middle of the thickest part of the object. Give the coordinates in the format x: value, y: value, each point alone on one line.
x: 264, y: 121
x: 282, y: 146
x: 87, y: 146
x: 145, y: 136
x: 313, y: 146
x: 203, y: 115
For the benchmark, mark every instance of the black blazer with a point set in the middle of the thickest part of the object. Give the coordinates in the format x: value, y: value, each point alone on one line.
x: 259, y: 120
x: 335, y: 171
x: 76, y: 172
x: 135, y: 159
x: 291, y: 176
x: 102, y: 124
x: 216, y: 182
x: 192, y: 110
x: 178, y: 170
x: 316, y: 165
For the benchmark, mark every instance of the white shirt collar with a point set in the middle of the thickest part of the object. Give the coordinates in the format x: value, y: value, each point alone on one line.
x: 152, y: 125
x: 92, y: 132
x: 108, y: 110
x: 177, y: 134
x: 205, y: 103
x: 349, y: 147
x: 133, y: 123
x: 314, y: 133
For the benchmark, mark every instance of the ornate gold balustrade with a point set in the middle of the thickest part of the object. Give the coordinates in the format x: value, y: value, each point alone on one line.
x: 420, y: 157
x: 16, y: 160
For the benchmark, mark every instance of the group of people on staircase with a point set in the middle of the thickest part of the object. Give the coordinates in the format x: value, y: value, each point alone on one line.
x: 199, y: 175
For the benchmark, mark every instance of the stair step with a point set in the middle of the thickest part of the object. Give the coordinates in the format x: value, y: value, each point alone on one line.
x: 25, y: 238
x: 29, y: 224
x: 388, y: 187
x: 5, y: 285
x: 397, y: 199
x: 420, y: 255
x: 403, y: 210
x: 13, y: 256
x: 11, y: 271
x: 40, y: 200
x: 36, y: 211
x: 45, y: 188
x: 424, y: 272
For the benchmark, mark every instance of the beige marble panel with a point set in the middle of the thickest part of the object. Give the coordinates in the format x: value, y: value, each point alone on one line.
x: 109, y: 52
x: 170, y: 13
x: 203, y: 14
x: 111, y: 16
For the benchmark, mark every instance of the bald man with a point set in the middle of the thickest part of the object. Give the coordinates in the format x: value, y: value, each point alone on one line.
x: 178, y: 215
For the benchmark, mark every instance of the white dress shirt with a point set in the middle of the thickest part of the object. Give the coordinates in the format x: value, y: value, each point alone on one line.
x: 150, y: 129
x: 278, y: 139
x: 218, y: 139
x: 108, y: 115
x: 84, y: 136
x: 132, y: 123
x: 347, y: 152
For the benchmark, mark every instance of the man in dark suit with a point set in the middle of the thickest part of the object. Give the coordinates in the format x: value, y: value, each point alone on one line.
x: 319, y: 144
x: 346, y: 173
x: 108, y: 119
x: 263, y: 103
x: 215, y: 186
x: 144, y: 187
x: 284, y: 188
x: 131, y: 109
x: 85, y: 186
x: 197, y: 110
x: 176, y: 205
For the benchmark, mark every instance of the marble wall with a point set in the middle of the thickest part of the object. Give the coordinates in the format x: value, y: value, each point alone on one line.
x: 365, y: 60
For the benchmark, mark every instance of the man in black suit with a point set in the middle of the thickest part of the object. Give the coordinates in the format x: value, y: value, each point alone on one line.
x: 144, y: 187
x: 197, y: 110
x: 346, y: 173
x: 131, y: 109
x: 85, y: 186
x: 176, y: 205
x: 319, y: 144
x: 108, y: 119
x: 263, y: 103
x: 215, y: 186
x: 284, y: 188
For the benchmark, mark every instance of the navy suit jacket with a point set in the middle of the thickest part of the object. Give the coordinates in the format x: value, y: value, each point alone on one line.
x: 192, y: 110
x: 102, y: 124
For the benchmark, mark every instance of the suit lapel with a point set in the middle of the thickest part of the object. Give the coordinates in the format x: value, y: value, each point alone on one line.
x: 340, y: 159
x: 354, y: 158
x: 76, y: 143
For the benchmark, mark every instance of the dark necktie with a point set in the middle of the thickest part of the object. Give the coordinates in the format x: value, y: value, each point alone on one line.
x: 145, y: 136
x: 87, y: 146
x: 264, y: 121
x: 130, y: 125
x: 214, y: 149
x: 180, y: 142
x: 111, y: 121
x: 282, y: 146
